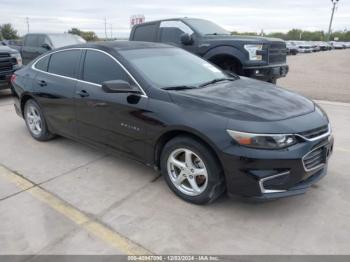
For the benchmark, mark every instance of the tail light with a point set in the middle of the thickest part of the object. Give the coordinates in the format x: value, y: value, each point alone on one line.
x: 13, y: 78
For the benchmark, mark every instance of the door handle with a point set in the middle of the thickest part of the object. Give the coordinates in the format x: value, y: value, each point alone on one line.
x: 83, y: 93
x: 42, y: 83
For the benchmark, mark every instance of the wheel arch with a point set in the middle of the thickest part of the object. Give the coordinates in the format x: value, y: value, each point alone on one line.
x: 226, y: 51
x: 24, y: 98
x: 168, y: 135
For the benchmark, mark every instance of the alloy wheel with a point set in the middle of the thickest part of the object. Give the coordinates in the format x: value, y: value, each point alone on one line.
x: 34, y: 120
x: 187, y: 172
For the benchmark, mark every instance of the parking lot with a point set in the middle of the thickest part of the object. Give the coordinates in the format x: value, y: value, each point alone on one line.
x: 61, y: 197
x: 322, y: 75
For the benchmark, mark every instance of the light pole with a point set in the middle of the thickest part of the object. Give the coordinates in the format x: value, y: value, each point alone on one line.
x: 334, y: 2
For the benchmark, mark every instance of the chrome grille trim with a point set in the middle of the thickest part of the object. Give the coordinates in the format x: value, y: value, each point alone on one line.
x: 269, y: 191
x: 329, y: 131
x: 313, y: 156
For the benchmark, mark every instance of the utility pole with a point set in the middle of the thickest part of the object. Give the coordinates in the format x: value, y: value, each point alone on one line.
x: 111, y: 31
x: 106, y: 28
x: 27, y: 21
x: 334, y: 2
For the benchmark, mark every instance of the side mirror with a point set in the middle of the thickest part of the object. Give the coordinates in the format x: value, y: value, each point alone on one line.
x: 119, y: 86
x: 46, y: 46
x: 186, y: 39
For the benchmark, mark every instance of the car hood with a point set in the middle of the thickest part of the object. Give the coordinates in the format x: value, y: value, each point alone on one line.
x: 241, y: 38
x: 245, y: 99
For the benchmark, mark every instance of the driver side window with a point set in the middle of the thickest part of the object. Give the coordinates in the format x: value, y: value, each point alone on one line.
x: 98, y: 68
x: 171, y: 31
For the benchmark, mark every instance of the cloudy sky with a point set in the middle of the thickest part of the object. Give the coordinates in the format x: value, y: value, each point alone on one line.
x: 238, y: 15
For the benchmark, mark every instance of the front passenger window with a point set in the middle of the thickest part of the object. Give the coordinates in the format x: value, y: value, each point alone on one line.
x: 171, y: 31
x: 99, y: 67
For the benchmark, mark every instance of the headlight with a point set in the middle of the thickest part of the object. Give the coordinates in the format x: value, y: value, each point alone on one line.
x: 253, y: 50
x: 18, y: 59
x: 264, y: 141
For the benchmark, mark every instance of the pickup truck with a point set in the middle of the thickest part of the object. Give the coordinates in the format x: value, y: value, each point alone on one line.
x: 10, y: 61
x: 37, y: 44
x: 257, y: 57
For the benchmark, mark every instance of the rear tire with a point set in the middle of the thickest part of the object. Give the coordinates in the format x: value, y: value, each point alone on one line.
x: 35, y: 121
x: 192, y: 171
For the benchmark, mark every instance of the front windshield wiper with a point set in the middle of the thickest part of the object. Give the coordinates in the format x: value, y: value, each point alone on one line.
x: 183, y: 87
x: 218, y: 80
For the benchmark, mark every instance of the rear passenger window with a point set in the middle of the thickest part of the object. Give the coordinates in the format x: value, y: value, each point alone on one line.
x: 99, y: 67
x: 64, y: 63
x: 43, y: 63
x: 145, y: 33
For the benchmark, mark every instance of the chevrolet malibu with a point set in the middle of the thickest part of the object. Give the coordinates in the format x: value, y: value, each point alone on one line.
x: 206, y: 130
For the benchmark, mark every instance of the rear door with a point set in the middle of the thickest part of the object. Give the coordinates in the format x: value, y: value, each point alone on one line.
x: 54, y: 87
x: 115, y: 120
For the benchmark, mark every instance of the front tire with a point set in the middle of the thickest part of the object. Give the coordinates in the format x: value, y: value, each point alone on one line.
x: 192, y: 171
x: 35, y: 121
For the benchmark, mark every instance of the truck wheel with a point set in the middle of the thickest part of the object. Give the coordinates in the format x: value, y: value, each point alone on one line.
x: 273, y: 81
x: 228, y: 64
x: 191, y: 170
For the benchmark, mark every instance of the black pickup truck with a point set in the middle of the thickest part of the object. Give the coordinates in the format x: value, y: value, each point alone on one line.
x: 10, y: 61
x: 258, y: 57
x: 38, y: 43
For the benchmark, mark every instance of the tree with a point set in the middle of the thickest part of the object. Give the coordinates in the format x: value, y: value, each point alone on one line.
x: 87, y: 35
x: 8, y: 32
x: 244, y: 33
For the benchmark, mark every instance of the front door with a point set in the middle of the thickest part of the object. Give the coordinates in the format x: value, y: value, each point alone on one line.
x: 170, y: 32
x: 114, y: 120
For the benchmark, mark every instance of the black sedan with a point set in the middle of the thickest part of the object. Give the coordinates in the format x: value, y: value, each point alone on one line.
x: 207, y: 131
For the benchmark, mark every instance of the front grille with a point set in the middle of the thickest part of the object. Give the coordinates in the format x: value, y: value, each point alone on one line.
x: 4, y: 55
x: 6, y: 62
x: 316, y: 132
x: 315, y: 158
x: 277, y: 53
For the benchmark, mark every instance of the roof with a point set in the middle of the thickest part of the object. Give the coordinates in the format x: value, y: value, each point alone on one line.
x: 119, y: 45
x: 171, y: 19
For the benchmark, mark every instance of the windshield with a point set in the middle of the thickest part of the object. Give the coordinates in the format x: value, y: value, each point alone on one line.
x: 205, y: 27
x: 61, y: 40
x: 169, y: 67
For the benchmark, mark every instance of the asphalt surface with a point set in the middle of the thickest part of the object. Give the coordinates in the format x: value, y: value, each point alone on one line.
x: 322, y: 75
x: 61, y: 197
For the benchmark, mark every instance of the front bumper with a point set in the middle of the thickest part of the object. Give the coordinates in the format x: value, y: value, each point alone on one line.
x: 5, y: 79
x: 268, y: 174
x: 298, y: 189
x: 267, y: 73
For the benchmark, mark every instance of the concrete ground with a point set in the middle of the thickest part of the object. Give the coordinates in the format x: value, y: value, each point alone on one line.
x: 61, y: 197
